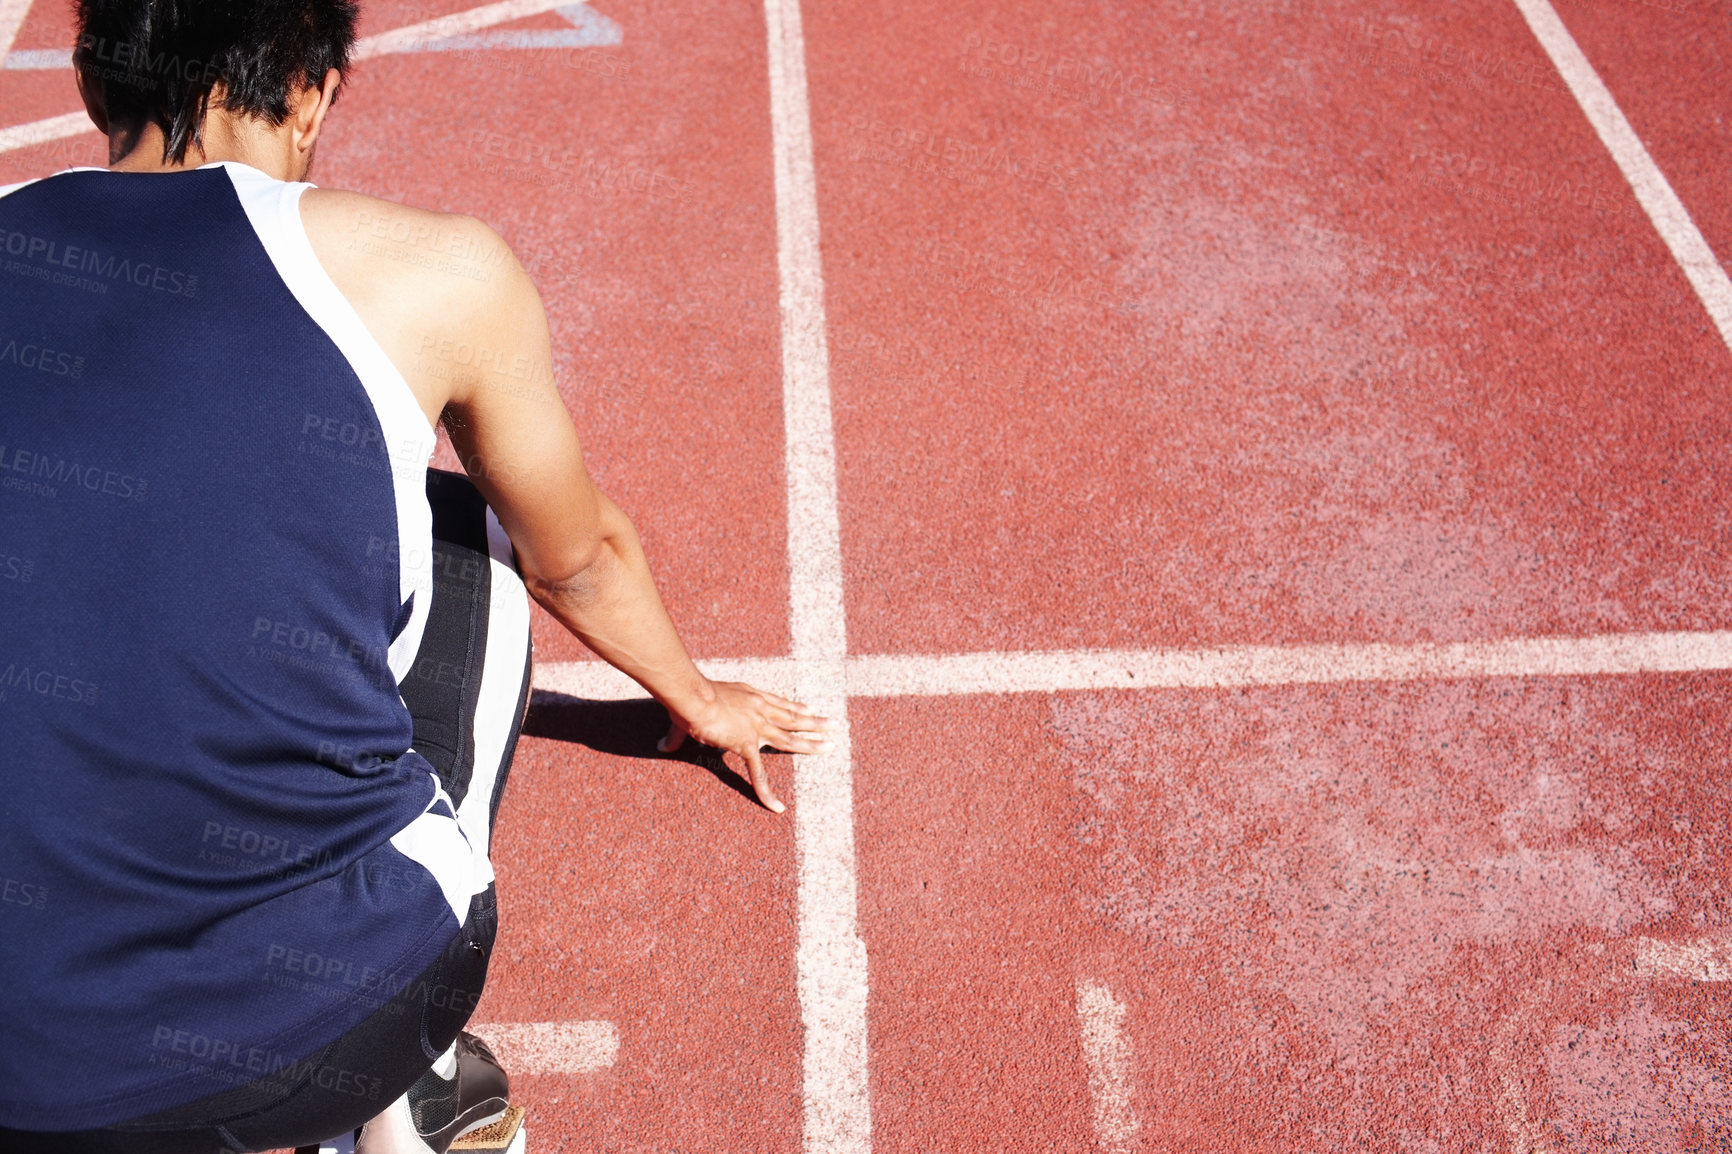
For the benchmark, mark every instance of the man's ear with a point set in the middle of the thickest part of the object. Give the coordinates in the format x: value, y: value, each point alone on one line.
x: 307, y: 117
x: 94, y: 93
x: 95, y: 100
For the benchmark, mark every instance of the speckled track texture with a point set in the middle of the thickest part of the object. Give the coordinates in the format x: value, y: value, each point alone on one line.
x: 1150, y: 325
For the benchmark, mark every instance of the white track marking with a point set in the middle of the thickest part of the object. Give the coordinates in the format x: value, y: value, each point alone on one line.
x: 897, y: 676
x: 552, y: 1047
x: 594, y: 681
x: 947, y: 675
x: 413, y: 36
x: 405, y: 39
x: 1107, y: 1051
x: 1662, y: 205
x: 1705, y: 960
x: 435, y: 33
x: 38, y: 59
x: 43, y: 131
x: 831, y: 958
x: 12, y: 14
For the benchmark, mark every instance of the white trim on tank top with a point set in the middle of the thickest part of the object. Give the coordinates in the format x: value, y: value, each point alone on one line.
x: 274, y: 207
x: 436, y: 842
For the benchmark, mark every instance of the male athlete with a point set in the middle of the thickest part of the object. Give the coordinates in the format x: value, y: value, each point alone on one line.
x: 261, y: 671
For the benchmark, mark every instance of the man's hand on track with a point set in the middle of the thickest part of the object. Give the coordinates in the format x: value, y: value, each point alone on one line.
x: 744, y: 720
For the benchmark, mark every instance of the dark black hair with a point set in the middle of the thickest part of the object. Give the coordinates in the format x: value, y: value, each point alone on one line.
x: 158, y: 61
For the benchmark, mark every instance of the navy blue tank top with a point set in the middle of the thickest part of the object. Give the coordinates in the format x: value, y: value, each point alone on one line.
x: 218, y: 851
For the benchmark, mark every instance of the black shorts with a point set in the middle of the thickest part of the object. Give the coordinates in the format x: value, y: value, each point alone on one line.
x: 467, y: 693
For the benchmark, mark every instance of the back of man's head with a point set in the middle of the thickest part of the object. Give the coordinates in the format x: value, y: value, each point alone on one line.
x: 162, y: 62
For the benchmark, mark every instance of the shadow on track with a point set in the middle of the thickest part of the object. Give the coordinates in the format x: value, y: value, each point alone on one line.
x: 625, y: 729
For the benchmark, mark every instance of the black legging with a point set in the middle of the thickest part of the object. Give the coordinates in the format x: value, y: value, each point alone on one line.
x: 355, y: 1077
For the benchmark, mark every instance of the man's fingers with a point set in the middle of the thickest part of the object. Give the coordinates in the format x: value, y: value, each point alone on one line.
x: 798, y: 742
x: 675, y: 738
x: 798, y: 719
x: 793, y: 711
x: 761, y: 781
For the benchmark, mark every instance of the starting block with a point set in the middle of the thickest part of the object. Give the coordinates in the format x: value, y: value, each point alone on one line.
x: 505, y: 1136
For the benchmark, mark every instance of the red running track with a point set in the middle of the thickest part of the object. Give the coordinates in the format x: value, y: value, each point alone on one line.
x: 1149, y: 326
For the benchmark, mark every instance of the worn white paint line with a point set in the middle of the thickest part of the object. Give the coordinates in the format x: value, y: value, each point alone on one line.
x: 39, y: 59
x: 1034, y: 672
x: 830, y: 959
x: 42, y: 131
x: 595, y: 681
x: 1704, y: 960
x: 406, y: 39
x: 1652, y: 190
x: 552, y: 1047
x: 12, y: 14
x: 411, y: 37
x: 952, y: 674
x: 1107, y: 1052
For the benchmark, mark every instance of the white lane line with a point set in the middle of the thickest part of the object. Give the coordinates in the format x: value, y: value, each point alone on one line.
x: 409, y: 38
x: 43, y: 131
x: 955, y: 674
x: 594, y: 681
x: 896, y: 676
x: 830, y: 959
x: 442, y: 33
x: 38, y: 59
x: 12, y: 14
x: 1662, y: 205
x: 551, y: 1047
x: 1107, y: 1051
x: 589, y: 29
x: 1705, y: 960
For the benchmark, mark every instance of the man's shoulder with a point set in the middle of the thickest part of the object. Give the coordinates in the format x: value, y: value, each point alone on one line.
x: 440, y: 292
x: 397, y: 248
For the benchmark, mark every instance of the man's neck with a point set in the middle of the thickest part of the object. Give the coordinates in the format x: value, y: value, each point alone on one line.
x: 224, y: 137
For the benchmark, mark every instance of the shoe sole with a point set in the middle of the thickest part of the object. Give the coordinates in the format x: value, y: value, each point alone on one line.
x: 494, y: 1134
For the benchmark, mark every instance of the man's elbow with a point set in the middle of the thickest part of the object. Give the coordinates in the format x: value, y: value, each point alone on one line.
x: 576, y: 577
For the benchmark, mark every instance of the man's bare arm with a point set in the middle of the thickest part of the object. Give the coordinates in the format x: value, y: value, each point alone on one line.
x: 580, y: 556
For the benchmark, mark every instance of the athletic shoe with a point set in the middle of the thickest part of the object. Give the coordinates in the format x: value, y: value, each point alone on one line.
x: 444, y: 1109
